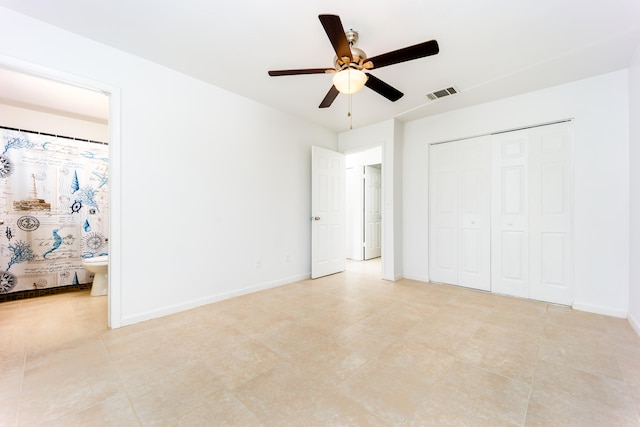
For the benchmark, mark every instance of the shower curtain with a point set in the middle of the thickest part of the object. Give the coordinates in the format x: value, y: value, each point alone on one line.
x: 54, y: 209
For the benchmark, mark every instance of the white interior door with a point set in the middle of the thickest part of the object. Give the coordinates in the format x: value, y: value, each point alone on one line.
x: 460, y: 213
x: 354, y: 208
x: 550, y: 212
x: 509, y: 231
x: 328, y: 212
x: 372, y: 212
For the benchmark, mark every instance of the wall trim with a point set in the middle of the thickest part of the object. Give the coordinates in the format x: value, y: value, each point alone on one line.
x: 553, y: 122
x: 418, y: 278
x: 607, y: 311
x: 634, y: 323
x: 173, y: 309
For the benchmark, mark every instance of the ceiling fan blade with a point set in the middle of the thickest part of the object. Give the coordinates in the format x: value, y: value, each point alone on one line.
x: 300, y: 71
x: 329, y: 98
x: 377, y: 85
x: 335, y: 31
x: 419, y: 50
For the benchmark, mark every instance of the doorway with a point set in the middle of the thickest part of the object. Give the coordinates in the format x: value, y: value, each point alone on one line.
x: 364, y: 205
x: 54, y: 103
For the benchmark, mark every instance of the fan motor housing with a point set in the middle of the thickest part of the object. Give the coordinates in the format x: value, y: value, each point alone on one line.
x: 358, y: 57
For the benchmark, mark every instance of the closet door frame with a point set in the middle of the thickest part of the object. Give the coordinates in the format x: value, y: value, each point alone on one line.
x: 531, y: 241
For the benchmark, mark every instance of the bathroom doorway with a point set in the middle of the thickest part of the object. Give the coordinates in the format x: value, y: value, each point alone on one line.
x: 62, y: 108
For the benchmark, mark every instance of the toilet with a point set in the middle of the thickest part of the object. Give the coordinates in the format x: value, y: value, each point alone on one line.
x: 99, y: 266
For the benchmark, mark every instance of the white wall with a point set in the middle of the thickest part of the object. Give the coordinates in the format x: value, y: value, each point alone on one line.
x: 25, y: 119
x: 634, y: 158
x: 370, y: 156
x: 599, y: 106
x: 210, y: 180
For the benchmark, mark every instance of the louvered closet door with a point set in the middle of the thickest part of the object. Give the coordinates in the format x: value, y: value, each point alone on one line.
x: 460, y: 191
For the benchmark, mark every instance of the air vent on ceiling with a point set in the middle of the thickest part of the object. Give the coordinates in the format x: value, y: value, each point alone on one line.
x: 442, y: 93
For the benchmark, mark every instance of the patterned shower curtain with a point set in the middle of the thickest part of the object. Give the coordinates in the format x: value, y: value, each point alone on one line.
x: 53, y: 207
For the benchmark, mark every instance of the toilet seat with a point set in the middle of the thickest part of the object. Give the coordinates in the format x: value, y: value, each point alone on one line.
x: 97, y: 260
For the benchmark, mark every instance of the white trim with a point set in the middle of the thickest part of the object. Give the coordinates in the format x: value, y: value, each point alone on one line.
x: 634, y: 323
x: 503, y: 131
x: 607, y: 311
x: 210, y: 299
x: 115, y: 282
x: 115, y: 210
x: 416, y: 278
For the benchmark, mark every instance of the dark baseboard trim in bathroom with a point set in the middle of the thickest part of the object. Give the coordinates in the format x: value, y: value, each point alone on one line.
x: 14, y: 296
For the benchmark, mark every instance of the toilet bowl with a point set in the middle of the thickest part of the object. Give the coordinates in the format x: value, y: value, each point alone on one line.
x: 99, y: 267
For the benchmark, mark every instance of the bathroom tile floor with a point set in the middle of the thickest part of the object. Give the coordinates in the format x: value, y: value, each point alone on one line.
x: 344, y: 350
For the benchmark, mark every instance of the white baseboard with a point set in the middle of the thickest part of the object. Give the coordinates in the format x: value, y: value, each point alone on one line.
x: 417, y: 278
x: 393, y: 278
x: 634, y: 323
x: 607, y: 311
x: 188, y: 305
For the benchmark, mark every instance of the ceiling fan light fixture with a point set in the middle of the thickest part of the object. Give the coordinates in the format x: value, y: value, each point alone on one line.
x: 349, y: 80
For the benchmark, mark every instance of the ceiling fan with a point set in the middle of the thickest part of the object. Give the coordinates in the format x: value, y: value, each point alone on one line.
x: 350, y: 62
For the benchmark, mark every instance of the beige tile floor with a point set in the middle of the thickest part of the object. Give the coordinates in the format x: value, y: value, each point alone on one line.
x: 345, y: 350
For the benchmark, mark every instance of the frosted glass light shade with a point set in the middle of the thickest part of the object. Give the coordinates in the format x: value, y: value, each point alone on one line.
x: 349, y: 80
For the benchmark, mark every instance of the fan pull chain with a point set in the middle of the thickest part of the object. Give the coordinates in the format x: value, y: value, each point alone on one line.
x: 350, y: 105
x: 349, y: 113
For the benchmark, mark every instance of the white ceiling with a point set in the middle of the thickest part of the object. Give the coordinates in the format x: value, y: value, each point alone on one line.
x: 489, y: 49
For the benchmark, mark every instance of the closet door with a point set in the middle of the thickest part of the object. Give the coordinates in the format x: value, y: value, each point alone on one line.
x: 459, y: 238
x: 509, y: 224
x: 443, y: 217
x: 474, y: 219
x: 551, y: 273
x: 531, y: 244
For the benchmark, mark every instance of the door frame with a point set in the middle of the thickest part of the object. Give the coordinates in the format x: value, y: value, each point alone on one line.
x: 383, y: 241
x: 114, y: 318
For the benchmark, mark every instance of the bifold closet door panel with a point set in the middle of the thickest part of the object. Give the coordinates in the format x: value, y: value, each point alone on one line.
x: 459, y: 206
x: 443, y: 213
x: 550, y: 171
x: 474, y: 219
x: 510, y: 206
x: 532, y: 211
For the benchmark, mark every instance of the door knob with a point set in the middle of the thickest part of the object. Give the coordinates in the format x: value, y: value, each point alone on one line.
x: 315, y: 218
